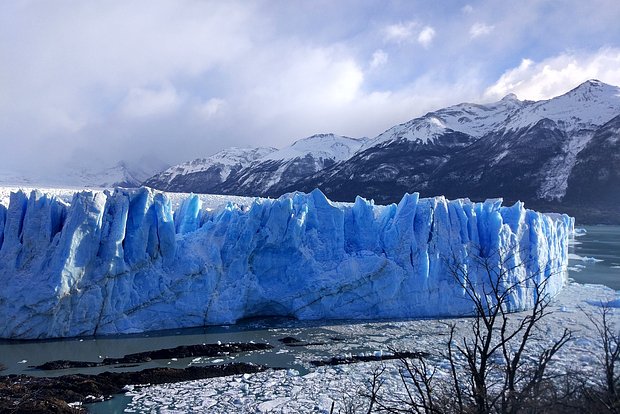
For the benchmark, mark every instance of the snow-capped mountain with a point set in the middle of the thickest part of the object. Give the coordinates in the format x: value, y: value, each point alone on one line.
x: 264, y: 171
x: 535, y: 151
x: 518, y: 150
x: 203, y: 174
x: 590, y: 104
x: 122, y: 174
x: 280, y: 169
x: 468, y: 118
x: 594, y: 181
x: 321, y: 147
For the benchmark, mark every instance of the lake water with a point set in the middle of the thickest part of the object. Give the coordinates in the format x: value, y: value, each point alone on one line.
x: 595, y: 258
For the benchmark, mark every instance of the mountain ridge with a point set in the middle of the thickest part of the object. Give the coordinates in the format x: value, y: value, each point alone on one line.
x: 515, y: 149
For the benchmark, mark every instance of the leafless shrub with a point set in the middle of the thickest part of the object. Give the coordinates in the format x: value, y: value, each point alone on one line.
x: 499, y: 365
x: 604, y: 396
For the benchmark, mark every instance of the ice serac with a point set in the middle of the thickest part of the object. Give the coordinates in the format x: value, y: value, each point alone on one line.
x: 124, y: 261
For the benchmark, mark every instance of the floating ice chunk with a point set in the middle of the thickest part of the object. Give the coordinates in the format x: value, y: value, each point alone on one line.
x: 573, y: 256
x: 580, y: 231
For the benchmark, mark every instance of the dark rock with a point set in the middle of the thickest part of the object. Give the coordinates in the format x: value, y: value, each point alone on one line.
x: 184, y: 351
x: 293, y: 342
x: 65, y: 364
x: 26, y: 394
x: 289, y: 340
x: 365, y: 358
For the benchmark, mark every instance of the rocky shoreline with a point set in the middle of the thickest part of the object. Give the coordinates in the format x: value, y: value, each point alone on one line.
x: 31, y: 395
x: 67, y: 393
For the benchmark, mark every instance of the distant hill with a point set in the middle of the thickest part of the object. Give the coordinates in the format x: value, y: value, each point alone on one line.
x: 121, y: 174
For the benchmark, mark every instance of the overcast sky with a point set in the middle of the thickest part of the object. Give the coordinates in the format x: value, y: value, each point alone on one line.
x: 101, y: 81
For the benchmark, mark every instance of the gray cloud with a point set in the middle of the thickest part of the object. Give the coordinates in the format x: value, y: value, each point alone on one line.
x: 111, y: 80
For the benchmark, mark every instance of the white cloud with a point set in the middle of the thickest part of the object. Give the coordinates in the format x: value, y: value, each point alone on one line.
x: 480, y: 29
x: 344, y: 85
x: 400, y: 32
x: 409, y: 32
x: 556, y: 75
x: 207, y: 110
x: 426, y: 36
x: 467, y: 9
x: 143, y: 102
x: 379, y: 58
x: 308, y: 79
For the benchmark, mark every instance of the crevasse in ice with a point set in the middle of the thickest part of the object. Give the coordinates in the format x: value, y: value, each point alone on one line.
x: 125, y: 262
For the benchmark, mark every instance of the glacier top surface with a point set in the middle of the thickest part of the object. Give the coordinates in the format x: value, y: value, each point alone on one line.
x: 209, y: 201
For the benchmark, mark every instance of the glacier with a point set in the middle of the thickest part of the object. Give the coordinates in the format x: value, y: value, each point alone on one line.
x: 132, y: 260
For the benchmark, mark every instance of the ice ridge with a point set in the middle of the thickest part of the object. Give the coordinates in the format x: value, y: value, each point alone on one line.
x: 125, y: 262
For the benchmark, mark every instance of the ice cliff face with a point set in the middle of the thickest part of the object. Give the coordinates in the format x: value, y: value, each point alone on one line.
x: 124, y: 261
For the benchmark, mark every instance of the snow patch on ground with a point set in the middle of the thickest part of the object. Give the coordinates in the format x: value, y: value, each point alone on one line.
x: 555, y: 182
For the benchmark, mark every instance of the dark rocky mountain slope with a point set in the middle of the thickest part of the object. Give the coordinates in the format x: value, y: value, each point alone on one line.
x: 561, y: 154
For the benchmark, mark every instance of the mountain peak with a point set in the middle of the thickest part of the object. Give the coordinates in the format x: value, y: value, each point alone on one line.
x: 510, y: 97
x: 593, y: 82
x: 594, y: 86
x: 324, y: 146
x: 324, y: 135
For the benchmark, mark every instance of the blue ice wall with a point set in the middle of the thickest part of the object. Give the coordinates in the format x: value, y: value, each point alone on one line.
x: 124, y: 262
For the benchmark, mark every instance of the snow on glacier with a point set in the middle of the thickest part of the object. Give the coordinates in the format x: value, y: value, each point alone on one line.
x: 137, y: 260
